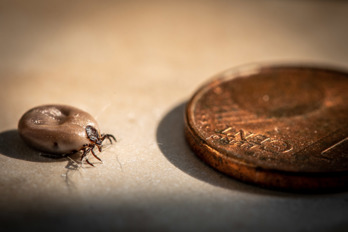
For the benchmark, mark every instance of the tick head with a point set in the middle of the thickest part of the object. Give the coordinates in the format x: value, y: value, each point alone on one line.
x: 93, y: 134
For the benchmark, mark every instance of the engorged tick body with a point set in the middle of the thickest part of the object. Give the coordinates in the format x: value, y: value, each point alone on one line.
x: 62, y: 130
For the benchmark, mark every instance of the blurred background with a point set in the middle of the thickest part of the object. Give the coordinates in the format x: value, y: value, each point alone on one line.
x: 133, y: 65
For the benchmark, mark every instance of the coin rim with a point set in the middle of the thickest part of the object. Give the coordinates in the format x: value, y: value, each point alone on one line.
x: 248, y: 172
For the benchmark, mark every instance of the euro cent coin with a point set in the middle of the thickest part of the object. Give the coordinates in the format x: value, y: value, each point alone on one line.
x: 283, y: 127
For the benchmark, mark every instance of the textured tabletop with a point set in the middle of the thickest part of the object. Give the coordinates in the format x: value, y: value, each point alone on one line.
x: 133, y: 65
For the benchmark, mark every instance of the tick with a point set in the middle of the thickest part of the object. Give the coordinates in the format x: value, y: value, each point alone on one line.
x: 62, y: 130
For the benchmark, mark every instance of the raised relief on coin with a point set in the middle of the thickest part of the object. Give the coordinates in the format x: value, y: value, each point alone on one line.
x: 282, y: 123
x: 247, y: 141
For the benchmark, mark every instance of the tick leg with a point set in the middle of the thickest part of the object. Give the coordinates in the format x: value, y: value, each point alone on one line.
x: 84, y: 156
x: 96, y: 155
x: 89, y: 162
x: 85, y: 151
x: 108, y: 136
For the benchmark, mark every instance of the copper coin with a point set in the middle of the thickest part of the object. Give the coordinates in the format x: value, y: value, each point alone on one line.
x: 276, y: 126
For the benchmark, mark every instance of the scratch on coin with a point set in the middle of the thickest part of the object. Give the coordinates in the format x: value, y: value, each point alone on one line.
x: 335, y: 145
x: 226, y: 130
x: 289, y: 148
x: 210, y: 137
x: 265, y: 140
x: 250, y: 135
x: 255, y: 145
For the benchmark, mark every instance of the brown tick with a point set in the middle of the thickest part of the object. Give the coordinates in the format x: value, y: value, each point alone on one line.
x: 62, y: 130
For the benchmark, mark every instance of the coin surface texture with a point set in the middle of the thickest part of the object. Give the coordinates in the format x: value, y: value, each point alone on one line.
x: 282, y: 127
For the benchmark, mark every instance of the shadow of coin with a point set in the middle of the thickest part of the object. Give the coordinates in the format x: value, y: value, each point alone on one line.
x: 12, y: 145
x: 172, y: 143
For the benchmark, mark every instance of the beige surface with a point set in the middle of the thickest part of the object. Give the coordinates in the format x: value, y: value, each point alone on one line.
x: 133, y: 64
